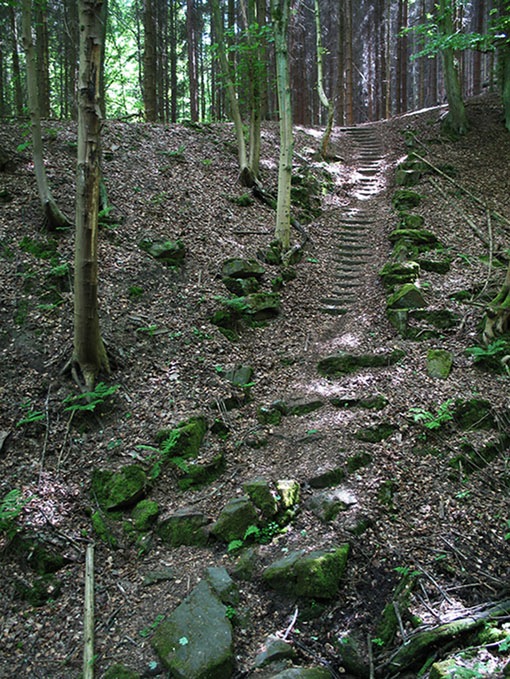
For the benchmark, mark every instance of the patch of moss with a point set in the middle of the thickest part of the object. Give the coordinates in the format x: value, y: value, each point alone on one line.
x: 118, y: 490
x: 376, y: 433
x: 405, y: 199
x: 40, y: 591
x: 184, y: 440
x: 103, y: 530
x: 358, y: 461
x: 119, y: 671
x: 145, y: 514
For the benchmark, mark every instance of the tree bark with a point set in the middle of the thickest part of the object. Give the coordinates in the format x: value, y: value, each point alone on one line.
x: 89, y: 352
x: 457, y: 119
x: 54, y: 217
x: 192, y: 59
x: 246, y: 177
x: 280, y: 15
x: 43, y: 76
x: 149, y: 62
x: 328, y: 105
x: 16, y: 73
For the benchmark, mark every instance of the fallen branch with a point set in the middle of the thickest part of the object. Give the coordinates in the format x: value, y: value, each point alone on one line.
x: 88, y: 615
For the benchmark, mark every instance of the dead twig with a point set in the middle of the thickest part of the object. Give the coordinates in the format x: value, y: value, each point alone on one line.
x: 88, y: 615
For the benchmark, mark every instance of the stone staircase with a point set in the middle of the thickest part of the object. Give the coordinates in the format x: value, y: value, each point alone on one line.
x: 353, y: 250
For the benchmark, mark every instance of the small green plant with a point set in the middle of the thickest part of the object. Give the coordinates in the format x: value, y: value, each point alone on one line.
x: 10, y: 509
x: 430, y: 420
x: 89, y: 400
x: 148, y: 329
x: 31, y: 416
x: 147, y: 631
x: 491, y: 355
x: 175, y: 153
x: 207, y: 162
x: 507, y: 535
x: 253, y: 533
x: 230, y: 612
x: 135, y: 291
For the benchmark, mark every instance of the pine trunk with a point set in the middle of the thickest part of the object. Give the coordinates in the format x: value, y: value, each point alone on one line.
x: 149, y: 62
x: 328, y: 105
x: 16, y: 73
x: 89, y: 352
x: 457, y: 120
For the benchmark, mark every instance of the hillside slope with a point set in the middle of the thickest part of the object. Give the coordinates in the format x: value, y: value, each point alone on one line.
x: 405, y: 503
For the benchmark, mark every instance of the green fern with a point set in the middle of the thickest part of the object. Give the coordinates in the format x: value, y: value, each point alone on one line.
x: 89, y: 400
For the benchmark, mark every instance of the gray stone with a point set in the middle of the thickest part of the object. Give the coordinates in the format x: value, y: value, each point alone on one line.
x: 327, y: 505
x: 344, y: 362
x: 303, y: 673
x: 222, y: 584
x: 274, y: 649
x: 242, y: 268
x: 195, y: 642
x: 234, y: 519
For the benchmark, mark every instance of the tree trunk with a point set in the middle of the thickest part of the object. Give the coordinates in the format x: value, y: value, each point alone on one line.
x: 89, y: 352
x: 149, y: 62
x: 43, y: 77
x: 192, y: 59
x: 54, y: 217
x: 16, y: 73
x: 328, y: 105
x: 246, y: 176
x: 457, y: 121
x: 497, y: 314
x: 280, y: 15
x: 349, y: 65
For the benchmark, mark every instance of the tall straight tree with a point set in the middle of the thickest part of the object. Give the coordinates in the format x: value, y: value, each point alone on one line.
x: 52, y: 214
x: 149, y: 61
x: 328, y: 105
x: 456, y: 120
x: 89, y: 352
x: 280, y: 13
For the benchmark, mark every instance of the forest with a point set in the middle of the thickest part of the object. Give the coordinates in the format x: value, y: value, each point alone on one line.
x: 255, y: 339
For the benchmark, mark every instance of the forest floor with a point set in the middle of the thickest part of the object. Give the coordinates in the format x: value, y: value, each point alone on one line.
x: 178, y: 182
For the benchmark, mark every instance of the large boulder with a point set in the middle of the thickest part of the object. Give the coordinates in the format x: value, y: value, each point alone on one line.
x: 195, y: 642
x: 316, y: 574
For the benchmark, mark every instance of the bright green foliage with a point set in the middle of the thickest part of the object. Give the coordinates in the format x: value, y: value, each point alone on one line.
x: 89, y: 400
x: 10, y: 509
x: 430, y: 420
x: 31, y: 415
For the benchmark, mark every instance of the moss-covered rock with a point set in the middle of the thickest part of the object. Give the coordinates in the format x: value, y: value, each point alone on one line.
x: 345, y: 362
x: 119, y: 671
x: 328, y: 504
x: 398, y: 273
x: 419, y: 237
x: 186, y: 526
x: 442, y: 319
x: 439, y: 363
x: 222, y: 585
x: 170, y: 252
x: 269, y: 415
x: 474, y: 414
x: 195, y: 473
x: 377, y: 402
x: 241, y: 286
x: 37, y: 553
x: 237, y: 515
x: 259, y: 306
x: 316, y: 574
x: 358, y: 461
x: 119, y: 490
x: 409, y: 220
x: 184, y: 440
x: 376, y: 433
x: 405, y: 199
x: 274, y: 650
x: 263, y: 496
x: 408, y: 296
x: 327, y: 479
x: 104, y: 529
x: 236, y: 267
x: 239, y: 376
x: 303, y: 406
x: 289, y: 492
x: 145, y: 514
x: 41, y: 590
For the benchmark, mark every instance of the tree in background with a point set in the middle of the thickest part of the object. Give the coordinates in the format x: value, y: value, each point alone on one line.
x: 456, y: 120
x: 89, y: 353
x: 328, y: 105
x: 280, y: 13
x: 149, y: 62
x: 52, y: 214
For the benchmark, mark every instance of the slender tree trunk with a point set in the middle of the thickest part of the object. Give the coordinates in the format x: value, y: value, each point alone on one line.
x: 340, y: 106
x: 173, y: 60
x: 328, y: 105
x: 89, y: 352
x: 192, y: 59
x: 54, y: 217
x: 149, y: 61
x: 16, y: 73
x: 456, y: 120
x: 246, y: 177
x: 43, y: 77
x: 280, y: 15
x: 349, y: 65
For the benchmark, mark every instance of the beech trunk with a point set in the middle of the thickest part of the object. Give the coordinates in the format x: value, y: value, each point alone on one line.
x: 89, y: 352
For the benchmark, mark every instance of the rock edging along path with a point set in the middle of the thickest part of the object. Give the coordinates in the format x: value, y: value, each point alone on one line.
x: 353, y: 250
